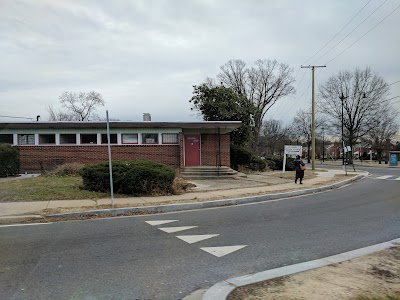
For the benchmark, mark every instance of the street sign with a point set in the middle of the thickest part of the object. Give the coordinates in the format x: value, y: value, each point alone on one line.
x: 296, y: 150
x: 291, y: 150
x: 347, y: 149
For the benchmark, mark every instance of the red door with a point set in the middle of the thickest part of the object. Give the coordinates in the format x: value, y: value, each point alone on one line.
x: 192, y: 150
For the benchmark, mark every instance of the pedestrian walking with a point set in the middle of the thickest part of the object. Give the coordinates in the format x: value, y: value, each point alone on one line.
x: 299, y: 166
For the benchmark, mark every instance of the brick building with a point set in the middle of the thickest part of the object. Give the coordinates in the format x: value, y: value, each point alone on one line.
x: 44, y: 145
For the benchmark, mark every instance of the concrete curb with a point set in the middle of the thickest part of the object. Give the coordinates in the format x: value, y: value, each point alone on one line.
x: 221, y: 290
x: 205, y: 204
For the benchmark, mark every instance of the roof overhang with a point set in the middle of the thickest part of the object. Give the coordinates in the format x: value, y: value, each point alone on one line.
x: 203, y: 126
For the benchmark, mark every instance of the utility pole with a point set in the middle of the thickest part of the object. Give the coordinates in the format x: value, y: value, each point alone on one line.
x: 313, y: 116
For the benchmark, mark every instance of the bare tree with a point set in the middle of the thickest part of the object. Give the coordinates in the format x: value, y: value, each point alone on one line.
x: 301, y: 127
x: 58, y: 115
x: 263, y: 84
x: 365, y: 90
x: 383, y: 129
x: 79, y: 107
x: 273, y: 137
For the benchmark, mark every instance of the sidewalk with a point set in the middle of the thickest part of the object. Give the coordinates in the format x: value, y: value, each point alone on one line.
x: 205, y: 190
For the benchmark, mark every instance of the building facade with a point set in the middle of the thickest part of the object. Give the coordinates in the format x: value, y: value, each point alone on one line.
x: 45, y: 145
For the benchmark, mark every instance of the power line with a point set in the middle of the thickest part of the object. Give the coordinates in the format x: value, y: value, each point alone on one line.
x: 300, y: 98
x: 365, y: 34
x: 280, y: 104
x: 350, y: 32
x: 395, y: 82
x: 337, y: 33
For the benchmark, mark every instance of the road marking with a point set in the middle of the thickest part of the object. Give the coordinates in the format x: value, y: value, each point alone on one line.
x: 30, y: 224
x: 221, y: 251
x: 191, y: 239
x: 384, y: 177
x: 398, y: 178
x: 176, y: 229
x: 155, y: 223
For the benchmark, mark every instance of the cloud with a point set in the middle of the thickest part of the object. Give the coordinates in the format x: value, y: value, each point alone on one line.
x: 146, y: 55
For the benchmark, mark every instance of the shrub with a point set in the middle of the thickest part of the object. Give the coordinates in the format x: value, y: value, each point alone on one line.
x: 137, y: 177
x: 69, y: 169
x: 241, y: 156
x: 271, y: 164
x: 9, y: 160
x: 257, y: 164
x: 276, y: 163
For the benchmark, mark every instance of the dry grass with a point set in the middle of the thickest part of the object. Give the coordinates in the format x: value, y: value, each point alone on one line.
x: 70, y: 169
x: 372, y: 277
x: 45, y: 188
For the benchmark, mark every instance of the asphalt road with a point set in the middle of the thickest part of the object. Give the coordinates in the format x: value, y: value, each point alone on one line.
x: 382, y: 170
x: 127, y: 258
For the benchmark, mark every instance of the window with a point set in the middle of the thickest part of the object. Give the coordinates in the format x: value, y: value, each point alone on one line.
x: 67, y: 138
x: 170, y: 138
x: 113, y: 138
x: 26, y: 139
x: 150, y: 138
x: 6, y: 138
x: 129, y: 138
x: 47, y: 138
x: 89, y: 138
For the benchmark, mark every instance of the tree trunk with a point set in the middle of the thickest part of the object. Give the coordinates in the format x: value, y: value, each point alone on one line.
x: 379, y: 154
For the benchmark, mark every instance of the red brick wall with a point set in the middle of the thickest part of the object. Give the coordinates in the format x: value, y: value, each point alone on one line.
x: 209, y: 149
x: 33, y: 158
x: 50, y: 156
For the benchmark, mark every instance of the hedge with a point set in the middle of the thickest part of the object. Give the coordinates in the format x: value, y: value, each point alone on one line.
x: 9, y: 160
x: 138, y: 177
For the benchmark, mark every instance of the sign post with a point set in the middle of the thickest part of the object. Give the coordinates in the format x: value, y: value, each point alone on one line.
x: 291, y: 150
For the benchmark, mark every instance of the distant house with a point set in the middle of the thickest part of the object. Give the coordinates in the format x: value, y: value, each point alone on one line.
x: 44, y: 145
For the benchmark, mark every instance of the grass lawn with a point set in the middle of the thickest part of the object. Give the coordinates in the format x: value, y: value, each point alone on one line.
x: 45, y: 188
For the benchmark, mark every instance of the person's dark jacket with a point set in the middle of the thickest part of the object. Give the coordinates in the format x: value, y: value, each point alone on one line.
x: 297, y: 164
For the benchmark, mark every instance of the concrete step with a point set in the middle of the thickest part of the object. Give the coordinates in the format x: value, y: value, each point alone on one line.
x: 208, y: 172
x: 206, y: 168
x: 232, y: 172
x: 193, y: 177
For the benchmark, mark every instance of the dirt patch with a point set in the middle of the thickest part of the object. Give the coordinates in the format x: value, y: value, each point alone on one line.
x: 375, y: 276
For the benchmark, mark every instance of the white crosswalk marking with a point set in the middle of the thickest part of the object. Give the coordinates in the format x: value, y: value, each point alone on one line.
x: 176, y: 229
x: 191, y: 239
x: 159, y: 222
x: 222, y: 251
x: 384, y: 177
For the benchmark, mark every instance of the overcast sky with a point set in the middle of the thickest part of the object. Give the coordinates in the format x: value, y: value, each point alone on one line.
x: 145, y: 56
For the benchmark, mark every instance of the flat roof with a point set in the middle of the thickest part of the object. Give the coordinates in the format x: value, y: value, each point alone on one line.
x: 232, y: 125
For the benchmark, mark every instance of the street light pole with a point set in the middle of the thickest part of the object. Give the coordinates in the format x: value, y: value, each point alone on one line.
x: 323, y: 145
x: 342, y: 98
